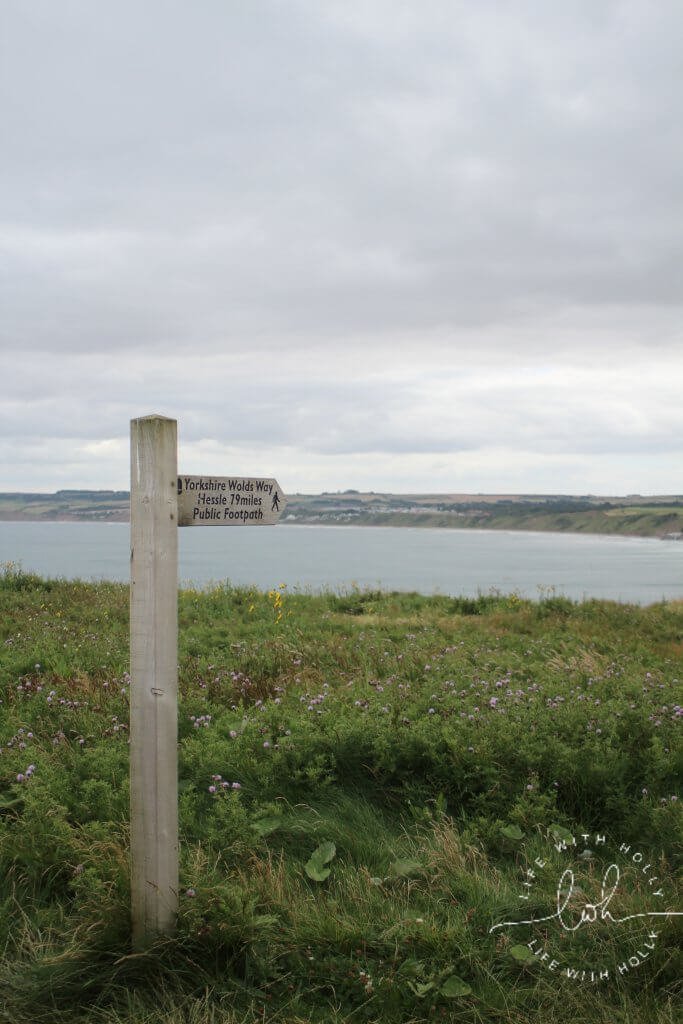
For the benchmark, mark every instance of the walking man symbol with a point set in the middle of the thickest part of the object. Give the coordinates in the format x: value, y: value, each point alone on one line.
x: 276, y: 503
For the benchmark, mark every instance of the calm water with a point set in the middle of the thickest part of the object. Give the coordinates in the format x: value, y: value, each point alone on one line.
x: 458, y: 562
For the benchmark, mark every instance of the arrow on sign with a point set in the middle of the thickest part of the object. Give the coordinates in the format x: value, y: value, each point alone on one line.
x: 229, y: 501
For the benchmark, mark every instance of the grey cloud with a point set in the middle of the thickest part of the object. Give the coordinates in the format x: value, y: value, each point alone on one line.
x: 331, y: 409
x: 211, y: 177
x: 300, y: 222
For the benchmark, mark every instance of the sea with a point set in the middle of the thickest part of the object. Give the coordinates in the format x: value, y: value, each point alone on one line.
x: 340, y: 558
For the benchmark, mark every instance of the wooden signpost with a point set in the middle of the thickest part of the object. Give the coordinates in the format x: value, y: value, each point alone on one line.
x: 160, y: 502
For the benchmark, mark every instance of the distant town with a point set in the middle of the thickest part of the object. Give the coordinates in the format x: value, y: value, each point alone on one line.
x: 634, y: 515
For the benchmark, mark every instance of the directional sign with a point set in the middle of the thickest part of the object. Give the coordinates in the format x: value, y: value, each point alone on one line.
x: 229, y: 500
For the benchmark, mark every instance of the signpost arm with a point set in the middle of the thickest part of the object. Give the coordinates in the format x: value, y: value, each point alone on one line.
x: 154, y: 678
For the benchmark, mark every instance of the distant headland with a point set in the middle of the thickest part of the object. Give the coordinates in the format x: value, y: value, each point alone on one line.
x: 633, y: 515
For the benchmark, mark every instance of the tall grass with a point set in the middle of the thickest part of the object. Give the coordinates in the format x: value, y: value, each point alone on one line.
x: 434, y: 748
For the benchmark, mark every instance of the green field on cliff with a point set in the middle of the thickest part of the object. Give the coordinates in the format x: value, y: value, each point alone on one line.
x: 368, y: 785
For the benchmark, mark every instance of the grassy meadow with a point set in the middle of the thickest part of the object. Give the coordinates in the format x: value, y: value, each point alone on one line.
x: 369, y: 782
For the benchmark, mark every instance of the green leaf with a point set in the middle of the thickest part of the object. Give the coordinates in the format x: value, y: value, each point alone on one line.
x: 267, y: 824
x: 315, y: 871
x: 454, y: 987
x: 513, y: 832
x: 559, y: 832
x: 405, y: 868
x: 325, y: 853
x: 412, y: 967
x: 522, y: 954
x: 421, y: 988
x: 315, y: 868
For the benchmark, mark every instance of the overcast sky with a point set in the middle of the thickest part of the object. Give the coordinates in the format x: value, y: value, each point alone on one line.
x: 408, y: 246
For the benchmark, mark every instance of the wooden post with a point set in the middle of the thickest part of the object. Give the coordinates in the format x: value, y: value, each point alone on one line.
x: 154, y: 678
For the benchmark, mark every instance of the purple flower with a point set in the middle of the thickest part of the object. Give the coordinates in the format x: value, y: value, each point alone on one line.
x: 212, y: 789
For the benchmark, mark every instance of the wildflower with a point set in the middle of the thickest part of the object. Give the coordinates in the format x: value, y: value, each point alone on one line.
x: 232, y: 734
x: 266, y: 744
x: 212, y: 789
x: 190, y: 892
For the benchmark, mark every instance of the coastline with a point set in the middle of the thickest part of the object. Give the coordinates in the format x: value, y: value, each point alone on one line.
x: 376, y: 522
x: 657, y: 516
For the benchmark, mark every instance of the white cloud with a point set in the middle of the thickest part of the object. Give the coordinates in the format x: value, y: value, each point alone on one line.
x: 381, y: 246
